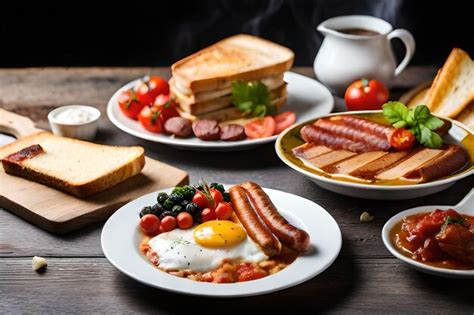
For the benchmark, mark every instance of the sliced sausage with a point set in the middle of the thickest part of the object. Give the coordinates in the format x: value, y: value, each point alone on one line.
x: 179, y: 126
x: 232, y: 132
x: 288, y: 234
x: 207, y: 130
x: 255, y: 228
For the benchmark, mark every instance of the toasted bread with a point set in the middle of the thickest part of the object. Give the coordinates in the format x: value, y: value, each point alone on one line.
x: 467, y: 116
x: 453, y: 86
x: 239, y: 57
x: 77, y: 167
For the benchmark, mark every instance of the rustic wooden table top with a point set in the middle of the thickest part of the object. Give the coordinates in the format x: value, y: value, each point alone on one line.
x: 364, y: 278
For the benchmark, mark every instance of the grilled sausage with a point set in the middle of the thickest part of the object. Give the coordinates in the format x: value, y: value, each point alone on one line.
x: 207, y: 130
x: 288, y: 234
x: 311, y: 133
x: 232, y: 132
x: 256, y: 229
x: 179, y: 126
x: 364, y: 124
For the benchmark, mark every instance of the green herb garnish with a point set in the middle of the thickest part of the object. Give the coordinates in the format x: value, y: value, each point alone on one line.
x: 418, y: 121
x: 252, y: 98
x: 451, y: 220
x: 205, y: 190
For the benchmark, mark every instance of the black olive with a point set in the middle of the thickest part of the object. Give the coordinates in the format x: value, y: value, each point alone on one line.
x: 184, y: 203
x: 177, y: 209
x: 146, y: 210
x: 168, y: 204
x: 157, y: 209
x: 166, y: 214
x: 176, y: 198
x: 162, y: 196
x: 192, y: 208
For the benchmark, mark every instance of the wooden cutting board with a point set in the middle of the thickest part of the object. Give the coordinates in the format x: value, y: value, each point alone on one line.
x: 59, y: 212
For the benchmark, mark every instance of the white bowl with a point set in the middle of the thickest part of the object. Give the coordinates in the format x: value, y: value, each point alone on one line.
x: 84, y: 130
x: 373, y: 191
x: 465, y: 206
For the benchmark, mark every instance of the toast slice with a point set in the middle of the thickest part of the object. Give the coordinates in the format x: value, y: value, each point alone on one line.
x: 467, y: 116
x: 77, y: 167
x: 453, y: 87
x: 239, y: 57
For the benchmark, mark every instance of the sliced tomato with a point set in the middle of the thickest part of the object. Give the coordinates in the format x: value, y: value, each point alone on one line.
x: 260, y: 128
x: 129, y: 104
x: 166, y: 106
x: 283, y: 121
x: 143, y: 93
x: 149, y: 118
x: 157, y: 85
x: 401, y: 139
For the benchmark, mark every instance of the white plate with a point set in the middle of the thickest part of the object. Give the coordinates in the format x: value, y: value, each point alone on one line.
x: 381, y: 192
x: 121, y: 238
x: 465, y: 206
x: 306, y: 97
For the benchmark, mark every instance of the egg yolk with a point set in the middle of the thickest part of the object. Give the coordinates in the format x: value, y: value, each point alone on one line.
x: 219, y: 233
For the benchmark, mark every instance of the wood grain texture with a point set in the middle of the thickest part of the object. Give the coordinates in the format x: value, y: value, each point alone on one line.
x: 364, y: 279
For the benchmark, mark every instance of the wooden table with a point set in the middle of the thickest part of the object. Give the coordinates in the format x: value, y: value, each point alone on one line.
x: 364, y: 278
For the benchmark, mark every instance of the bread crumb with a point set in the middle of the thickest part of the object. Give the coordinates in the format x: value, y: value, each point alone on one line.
x: 38, y: 263
x: 366, y: 217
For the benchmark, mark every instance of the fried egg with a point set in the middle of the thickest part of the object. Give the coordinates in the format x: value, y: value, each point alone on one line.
x: 205, y: 247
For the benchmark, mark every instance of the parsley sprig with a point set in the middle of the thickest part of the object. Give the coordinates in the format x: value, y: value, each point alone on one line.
x: 252, y: 98
x: 418, y: 121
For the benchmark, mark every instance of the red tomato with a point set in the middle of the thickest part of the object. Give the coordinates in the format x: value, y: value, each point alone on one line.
x: 401, y: 139
x: 365, y: 94
x: 223, y: 211
x: 247, y: 272
x: 149, y: 119
x: 129, y: 104
x: 150, y: 224
x: 200, y: 199
x: 208, y: 214
x: 184, y: 220
x: 216, y: 195
x: 260, y: 128
x: 283, y: 121
x: 166, y: 106
x: 157, y: 85
x: 168, y: 223
x: 143, y: 93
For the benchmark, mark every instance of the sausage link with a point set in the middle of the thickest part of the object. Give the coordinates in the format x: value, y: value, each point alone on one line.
x: 256, y: 229
x: 311, y: 133
x: 288, y: 234
x: 364, y: 124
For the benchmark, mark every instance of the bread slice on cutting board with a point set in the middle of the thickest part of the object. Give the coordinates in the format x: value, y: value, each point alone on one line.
x: 77, y: 167
x: 453, y: 87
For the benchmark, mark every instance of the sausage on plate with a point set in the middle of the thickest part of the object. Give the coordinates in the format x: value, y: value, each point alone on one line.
x: 179, y: 126
x: 207, y: 130
x: 232, y: 132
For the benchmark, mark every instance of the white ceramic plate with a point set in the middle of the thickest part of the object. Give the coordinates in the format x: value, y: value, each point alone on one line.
x: 121, y: 238
x: 382, y: 192
x: 465, y: 206
x: 306, y: 97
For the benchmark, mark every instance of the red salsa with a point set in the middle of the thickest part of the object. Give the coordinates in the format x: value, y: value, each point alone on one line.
x: 441, y: 238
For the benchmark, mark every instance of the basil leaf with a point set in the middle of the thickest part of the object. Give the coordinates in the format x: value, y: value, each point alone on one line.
x: 400, y: 124
x: 421, y: 113
x: 429, y: 138
x: 251, y: 97
x: 433, y: 123
x: 259, y: 111
x: 395, y: 111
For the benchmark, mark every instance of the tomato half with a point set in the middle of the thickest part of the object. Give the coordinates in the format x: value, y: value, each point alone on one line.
x: 166, y: 106
x: 401, y: 139
x: 157, y: 85
x: 142, y: 91
x: 283, y: 121
x: 365, y: 94
x: 149, y: 118
x: 129, y: 104
x: 260, y: 128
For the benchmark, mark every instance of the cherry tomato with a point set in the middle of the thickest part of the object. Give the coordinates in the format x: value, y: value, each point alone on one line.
x: 168, y: 223
x: 150, y: 224
x: 129, y: 104
x: 208, y: 214
x: 216, y: 195
x: 143, y: 93
x: 365, y: 94
x: 166, y: 106
x: 401, y: 139
x: 283, y: 121
x: 157, y: 85
x: 200, y: 199
x: 149, y: 119
x: 184, y: 220
x: 223, y: 211
x: 260, y: 128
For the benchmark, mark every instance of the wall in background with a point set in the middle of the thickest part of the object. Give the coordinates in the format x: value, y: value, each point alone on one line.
x: 161, y: 32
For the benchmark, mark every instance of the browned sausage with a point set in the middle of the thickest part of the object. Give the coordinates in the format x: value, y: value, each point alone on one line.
x: 364, y: 125
x: 311, y: 133
x: 256, y: 229
x: 179, y: 126
x: 207, y: 130
x: 232, y: 132
x: 288, y: 234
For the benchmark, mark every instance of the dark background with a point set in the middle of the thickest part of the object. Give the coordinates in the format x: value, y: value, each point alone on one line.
x: 161, y: 32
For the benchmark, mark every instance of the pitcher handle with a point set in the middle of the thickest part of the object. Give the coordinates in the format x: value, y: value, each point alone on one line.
x: 409, y: 42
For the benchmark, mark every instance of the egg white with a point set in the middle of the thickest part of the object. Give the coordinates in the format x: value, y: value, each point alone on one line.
x: 177, y: 250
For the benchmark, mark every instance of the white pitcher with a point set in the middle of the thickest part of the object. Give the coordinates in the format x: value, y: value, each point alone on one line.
x: 345, y: 57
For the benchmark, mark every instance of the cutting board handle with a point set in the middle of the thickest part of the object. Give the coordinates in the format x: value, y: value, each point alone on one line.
x: 16, y: 125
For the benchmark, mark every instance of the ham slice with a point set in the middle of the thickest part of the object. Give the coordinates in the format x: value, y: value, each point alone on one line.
x: 310, y: 150
x: 369, y: 170
x: 410, y: 164
x: 350, y: 165
x: 330, y: 158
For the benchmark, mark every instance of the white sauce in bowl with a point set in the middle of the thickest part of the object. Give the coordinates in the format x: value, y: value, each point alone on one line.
x: 74, y: 115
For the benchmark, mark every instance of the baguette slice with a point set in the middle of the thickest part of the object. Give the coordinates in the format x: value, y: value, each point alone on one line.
x: 453, y: 86
x: 77, y: 167
x: 239, y: 57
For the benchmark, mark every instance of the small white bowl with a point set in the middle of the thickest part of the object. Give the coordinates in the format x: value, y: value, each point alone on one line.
x: 84, y: 129
x: 465, y: 206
